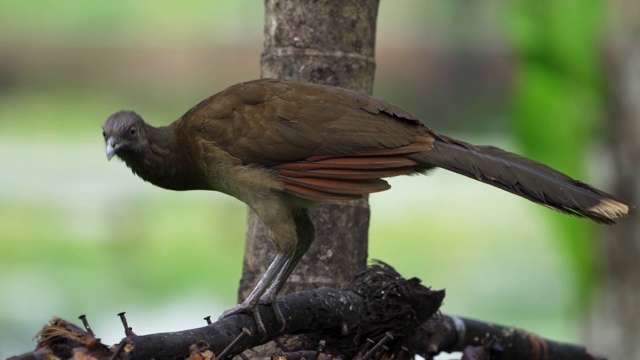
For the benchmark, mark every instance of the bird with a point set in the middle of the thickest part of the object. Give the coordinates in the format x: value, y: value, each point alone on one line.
x: 282, y: 146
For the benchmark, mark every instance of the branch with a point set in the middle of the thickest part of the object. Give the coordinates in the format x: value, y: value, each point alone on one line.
x: 480, y: 340
x: 380, y: 313
x: 305, y: 311
x: 377, y: 301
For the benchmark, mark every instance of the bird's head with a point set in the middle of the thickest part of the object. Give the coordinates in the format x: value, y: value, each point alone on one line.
x: 124, y: 134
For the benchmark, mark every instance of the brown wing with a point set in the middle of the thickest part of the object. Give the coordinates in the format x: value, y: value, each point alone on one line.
x: 327, y: 143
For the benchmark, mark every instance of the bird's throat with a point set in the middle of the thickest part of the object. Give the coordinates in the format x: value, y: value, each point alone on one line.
x: 159, y: 162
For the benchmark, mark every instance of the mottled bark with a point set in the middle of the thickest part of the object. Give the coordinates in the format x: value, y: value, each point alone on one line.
x: 328, y: 42
x: 615, y: 321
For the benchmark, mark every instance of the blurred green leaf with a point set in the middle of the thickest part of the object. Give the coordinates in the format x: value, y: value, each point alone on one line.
x: 558, y: 103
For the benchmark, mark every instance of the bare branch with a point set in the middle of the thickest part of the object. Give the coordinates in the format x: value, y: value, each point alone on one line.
x: 380, y: 315
x: 451, y: 333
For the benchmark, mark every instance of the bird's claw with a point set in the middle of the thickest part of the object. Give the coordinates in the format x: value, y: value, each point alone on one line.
x: 269, y: 298
x: 279, y: 316
x: 249, y: 309
x: 252, y: 309
x: 238, y: 309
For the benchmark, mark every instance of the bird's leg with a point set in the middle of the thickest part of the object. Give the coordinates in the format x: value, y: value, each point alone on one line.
x: 306, y: 234
x: 280, y: 219
x: 269, y: 297
x: 267, y: 289
x: 249, y: 305
x: 261, y: 287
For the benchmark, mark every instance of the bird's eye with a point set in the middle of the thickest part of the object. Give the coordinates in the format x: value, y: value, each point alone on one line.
x: 132, y: 131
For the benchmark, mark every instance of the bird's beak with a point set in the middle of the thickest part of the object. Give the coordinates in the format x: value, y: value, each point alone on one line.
x: 112, y: 147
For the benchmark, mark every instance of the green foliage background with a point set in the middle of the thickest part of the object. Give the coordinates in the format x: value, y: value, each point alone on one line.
x: 558, y: 105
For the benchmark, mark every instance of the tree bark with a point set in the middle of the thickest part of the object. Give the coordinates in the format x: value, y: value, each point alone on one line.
x: 328, y: 42
x: 333, y: 43
x: 615, y: 321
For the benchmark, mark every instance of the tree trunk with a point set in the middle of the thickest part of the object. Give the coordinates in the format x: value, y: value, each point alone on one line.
x: 615, y: 322
x: 327, y: 42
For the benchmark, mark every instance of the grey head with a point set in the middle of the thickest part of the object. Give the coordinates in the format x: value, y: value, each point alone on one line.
x: 124, y: 133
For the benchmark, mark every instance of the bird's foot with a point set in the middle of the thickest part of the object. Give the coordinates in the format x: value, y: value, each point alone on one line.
x: 238, y: 309
x: 252, y: 309
x: 277, y: 311
x: 249, y: 309
x: 269, y: 298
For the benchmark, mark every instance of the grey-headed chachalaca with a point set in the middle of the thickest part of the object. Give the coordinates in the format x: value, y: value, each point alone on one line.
x: 283, y: 146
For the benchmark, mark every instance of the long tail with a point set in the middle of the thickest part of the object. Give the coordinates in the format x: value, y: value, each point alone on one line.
x: 524, y: 177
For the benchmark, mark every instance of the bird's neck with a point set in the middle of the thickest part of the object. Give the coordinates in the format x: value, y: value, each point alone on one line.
x: 161, y: 162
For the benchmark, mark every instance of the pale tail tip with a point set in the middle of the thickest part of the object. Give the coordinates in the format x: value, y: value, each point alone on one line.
x: 611, y: 209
